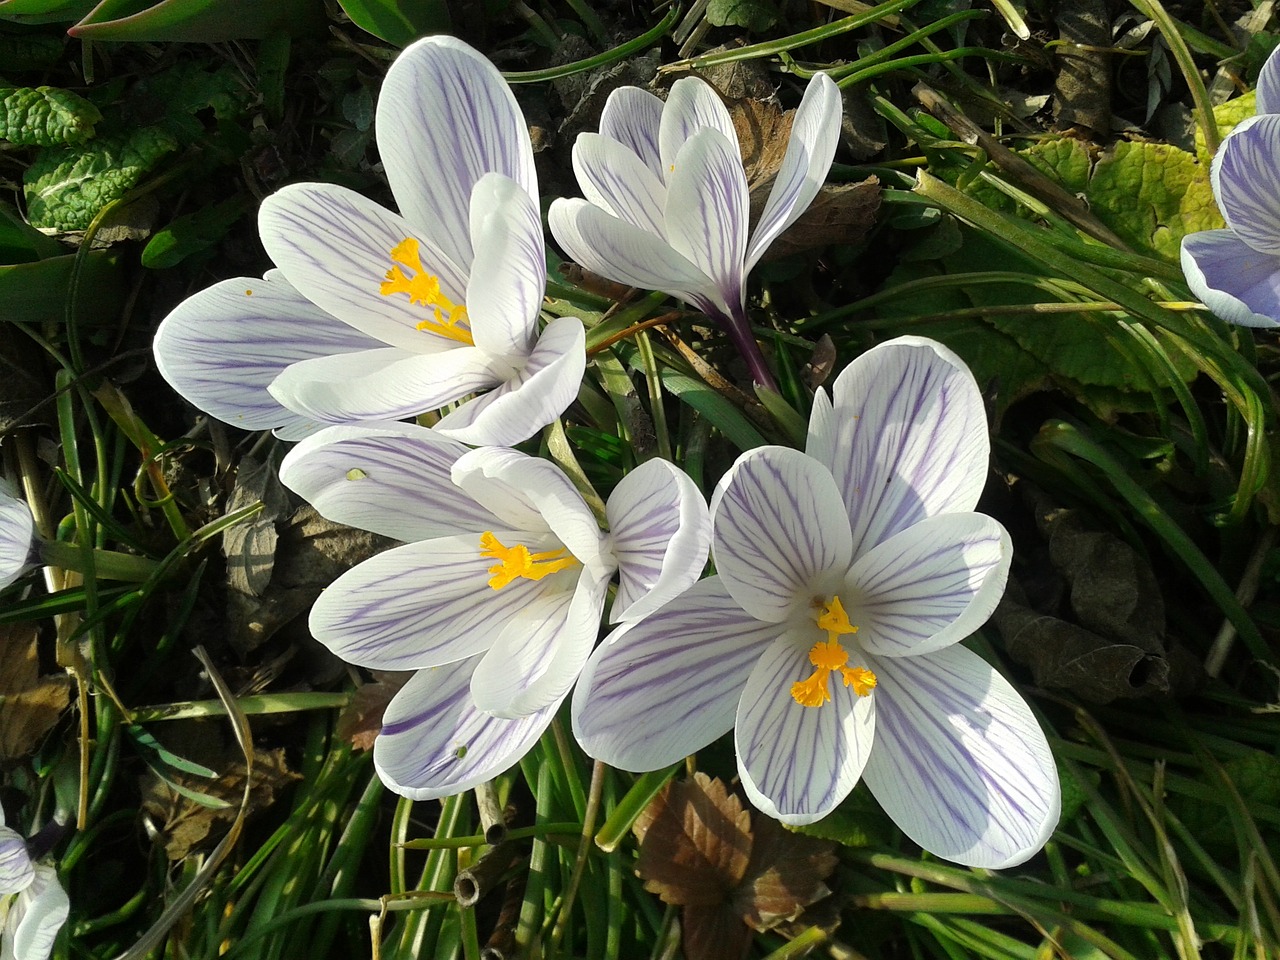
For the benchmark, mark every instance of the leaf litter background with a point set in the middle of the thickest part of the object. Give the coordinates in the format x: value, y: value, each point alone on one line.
x: 1132, y: 462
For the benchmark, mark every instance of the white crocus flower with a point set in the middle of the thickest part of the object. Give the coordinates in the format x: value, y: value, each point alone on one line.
x: 828, y: 639
x: 495, y: 600
x: 374, y: 315
x: 34, y: 904
x: 667, y: 203
x: 16, y: 529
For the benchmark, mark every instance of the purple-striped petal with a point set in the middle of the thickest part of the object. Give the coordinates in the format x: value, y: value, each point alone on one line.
x: 509, y: 275
x: 929, y: 586
x: 908, y: 440
x: 693, y: 105
x: 394, y: 479
x: 435, y: 742
x: 657, y: 690
x: 617, y: 181
x: 221, y: 347
x: 1236, y: 282
x: 1268, y: 90
x: 421, y: 605
x: 797, y: 763
x: 35, y: 917
x: 661, y: 531
x: 16, y: 529
x: 540, y: 652
x: 960, y: 763
x: 445, y: 118
x: 16, y: 869
x: 779, y: 534
x: 1246, y: 182
x: 626, y: 254
x: 520, y: 406
x: 707, y: 210
x: 815, y: 131
x: 384, y: 384
x: 633, y: 117
x: 534, y: 495
x: 334, y: 246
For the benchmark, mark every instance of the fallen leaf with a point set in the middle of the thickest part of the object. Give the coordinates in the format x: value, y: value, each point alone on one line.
x: 30, y: 704
x: 785, y: 875
x: 361, y: 720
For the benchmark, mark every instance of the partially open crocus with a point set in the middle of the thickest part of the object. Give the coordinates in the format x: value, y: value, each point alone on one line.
x: 374, y: 315
x: 496, y: 599
x: 1236, y: 271
x: 828, y: 640
x: 32, y: 902
x: 16, y: 528
x: 666, y: 205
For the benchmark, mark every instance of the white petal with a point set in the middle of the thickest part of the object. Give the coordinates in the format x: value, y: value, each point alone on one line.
x: 929, y: 586
x: 815, y: 131
x: 435, y: 743
x: 533, y: 494
x: 779, y: 535
x: 626, y: 254
x: 693, y: 105
x: 1236, y: 282
x: 391, y: 478
x: 519, y: 407
x: 16, y: 529
x: 661, y: 531
x: 1246, y: 182
x: 707, y: 210
x: 657, y: 690
x: 823, y: 433
x: 419, y: 605
x: 16, y: 869
x: 335, y: 247
x: 910, y: 438
x: 613, y: 178
x: 960, y: 763
x: 35, y: 917
x: 633, y: 117
x: 539, y: 654
x: 384, y: 384
x: 1268, y: 89
x: 509, y: 275
x: 445, y: 118
x: 221, y: 347
x: 797, y: 763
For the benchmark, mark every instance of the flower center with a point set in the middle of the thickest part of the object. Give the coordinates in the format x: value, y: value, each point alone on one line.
x: 827, y: 656
x: 517, y: 561
x: 450, y: 318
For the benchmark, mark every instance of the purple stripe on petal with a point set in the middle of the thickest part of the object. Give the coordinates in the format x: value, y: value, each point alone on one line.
x: 1236, y: 282
x: 616, y: 180
x: 632, y: 117
x: 16, y: 529
x: 692, y: 106
x: 1246, y: 182
x: 16, y: 868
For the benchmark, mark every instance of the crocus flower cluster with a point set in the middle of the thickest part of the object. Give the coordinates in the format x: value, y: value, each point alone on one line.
x: 33, y: 904
x: 846, y: 574
x: 1236, y: 271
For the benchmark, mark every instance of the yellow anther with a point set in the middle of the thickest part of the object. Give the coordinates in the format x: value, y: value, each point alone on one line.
x: 516, y: 562
x: 424, y: 288
x: 828, y: 656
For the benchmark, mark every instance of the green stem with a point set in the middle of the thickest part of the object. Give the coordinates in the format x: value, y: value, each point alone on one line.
x: 104, y: 564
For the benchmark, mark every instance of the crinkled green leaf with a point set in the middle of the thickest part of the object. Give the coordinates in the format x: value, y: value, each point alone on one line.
x: 755, y: 16
x: 30, y: 51
x: 187, y: 88
x: 398, y: 21
x: 1227, y: 115
x: 857, y: 822
x: 66, y: 186
x: 44, y: 116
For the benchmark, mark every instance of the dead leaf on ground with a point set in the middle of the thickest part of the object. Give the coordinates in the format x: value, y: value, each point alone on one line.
x: 361, y: 720
x: 700, y: 849
x: 30, y: 704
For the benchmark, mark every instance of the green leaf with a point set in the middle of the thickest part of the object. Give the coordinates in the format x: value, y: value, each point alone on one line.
x: 202, y: 21
x: 398, y: 21
x: 20, y: 242
x: 30, y: 51
x: 755, y: 16
x: 66, y: 187
x: 37, y: 292
x: 187, y: 88
x: 191, y: 234
x: 1227, y: 115
x: 44, y: 116
x: 857, y: 822
x: 45, y: 11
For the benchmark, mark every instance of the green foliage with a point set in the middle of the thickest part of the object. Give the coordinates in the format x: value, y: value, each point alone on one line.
x: 754, y: 16
x: 203, y: 21
x: 191, y: 234
x: 45, y: 11
x: 398, y: 21
x: 29, y: 51
x: 44, y: 116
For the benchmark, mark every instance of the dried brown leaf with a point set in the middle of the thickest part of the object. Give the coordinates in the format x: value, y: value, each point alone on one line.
x: 695, y: 843
x: 785, y: 875
x: 714, y: 933
x: 29, y: 703
x: 361, y: 720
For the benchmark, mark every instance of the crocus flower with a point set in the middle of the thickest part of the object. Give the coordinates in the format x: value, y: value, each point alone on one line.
x: 828, y: 638
x: 374, y: 315
x: 16, y: 527
x: 495, y: 600
x: 34, y: 916
x: 666, y: 203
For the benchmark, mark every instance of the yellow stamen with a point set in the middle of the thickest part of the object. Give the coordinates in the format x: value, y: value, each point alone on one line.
x: 515, y: 562
x: 828, y: 656
x: 424, y: 288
